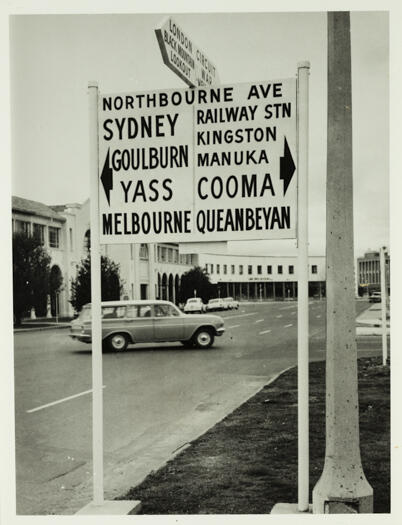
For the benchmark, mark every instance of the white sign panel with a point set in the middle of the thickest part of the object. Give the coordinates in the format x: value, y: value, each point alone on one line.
x: 183, y: 57
x: 196, y: 165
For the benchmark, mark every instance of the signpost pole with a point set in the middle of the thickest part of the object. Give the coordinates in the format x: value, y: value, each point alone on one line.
x: 97, y: 396
x: 303, y: 71
x: 383, y: 307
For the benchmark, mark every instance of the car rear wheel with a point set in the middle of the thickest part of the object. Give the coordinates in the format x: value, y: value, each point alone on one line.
x: 117, y: 342
x: 204, y: 338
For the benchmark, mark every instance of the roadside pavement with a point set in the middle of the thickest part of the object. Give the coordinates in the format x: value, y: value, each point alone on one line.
x: 369, y: 322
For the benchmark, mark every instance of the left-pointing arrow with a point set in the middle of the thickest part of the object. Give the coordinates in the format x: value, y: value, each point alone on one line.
x: 107, y: 178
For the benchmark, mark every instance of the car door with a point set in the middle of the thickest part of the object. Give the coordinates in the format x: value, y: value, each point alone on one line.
x: 168, y: 323
x: 139, y: 322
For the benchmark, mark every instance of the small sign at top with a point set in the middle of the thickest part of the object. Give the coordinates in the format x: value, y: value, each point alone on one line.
x: 183, y: 57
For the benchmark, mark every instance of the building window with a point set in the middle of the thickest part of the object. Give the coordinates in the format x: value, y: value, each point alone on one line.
x: 250, y: 269
x: 23, y: 227
x: 218, y: 268
x: 314, y: 268
x: 233, y: 268
x: 212, y: 268
x: 54, y: 241
x: 71, y: 240
x: 280, y: 268
x: 144, y: 252
x: 240, y: 269
x: 39, y: 232
x: 291, y: 269
x: 269, y: 269
x: 259, y: 270
x: 225, y: 269
x: 176, y: 256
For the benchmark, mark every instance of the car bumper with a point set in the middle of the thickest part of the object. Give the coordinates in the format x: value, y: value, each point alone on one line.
x: 81, y: 337
x: 220, y: 331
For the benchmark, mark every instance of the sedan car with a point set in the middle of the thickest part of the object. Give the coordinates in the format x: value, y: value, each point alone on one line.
x: 130, y: 322
x: 375, y: 297
x: 216, y: 304
x: 194, y: 304
x: 231, y: 303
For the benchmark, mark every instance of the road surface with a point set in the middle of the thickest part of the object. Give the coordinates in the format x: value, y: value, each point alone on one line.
x: 157, y: 398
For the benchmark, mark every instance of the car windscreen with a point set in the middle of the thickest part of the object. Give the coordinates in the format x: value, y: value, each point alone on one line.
x: 85, y: 314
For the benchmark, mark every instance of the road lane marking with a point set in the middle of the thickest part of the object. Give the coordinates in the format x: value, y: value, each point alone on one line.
x: 265, y: 332
x: 259, y: 321
x: 288, y: 307
x: 60, y: 401
x: 279, y: 316
x: 318, y: 316
x: 234, y: 326
x: 239, y: 315
x: 287, y: 325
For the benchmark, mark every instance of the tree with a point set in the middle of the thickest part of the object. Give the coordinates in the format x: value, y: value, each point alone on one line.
x: 31, y: 270
x: 111, y: 284
x: 196, y: 279
x: 55, y: 282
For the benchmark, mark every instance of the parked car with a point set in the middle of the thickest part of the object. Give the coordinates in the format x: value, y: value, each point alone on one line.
x: 216, y: 304
x: 130, y: 322
x: 375, y: 297
x: 194, y: 304
x: 231, y: 303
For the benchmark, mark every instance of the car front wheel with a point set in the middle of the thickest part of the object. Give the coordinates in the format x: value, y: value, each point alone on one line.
x: 204, y: 338
x: 118, y: 342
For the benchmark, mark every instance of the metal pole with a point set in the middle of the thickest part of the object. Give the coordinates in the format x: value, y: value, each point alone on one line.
x: 97, y: 396
x: 303, y: 71
x: 383, y: 307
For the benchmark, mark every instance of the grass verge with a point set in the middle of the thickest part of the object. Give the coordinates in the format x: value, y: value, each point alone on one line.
x: 248, y: 462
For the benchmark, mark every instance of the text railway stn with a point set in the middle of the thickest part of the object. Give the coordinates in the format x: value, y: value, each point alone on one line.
x: 237, y: 114
x: 207, y: 221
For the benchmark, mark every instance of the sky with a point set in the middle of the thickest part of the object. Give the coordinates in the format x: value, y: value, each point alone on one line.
x: 52, y: 58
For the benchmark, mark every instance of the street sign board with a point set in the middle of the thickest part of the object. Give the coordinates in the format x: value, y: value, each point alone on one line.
x: 195, y: 165
x: 183, y: 57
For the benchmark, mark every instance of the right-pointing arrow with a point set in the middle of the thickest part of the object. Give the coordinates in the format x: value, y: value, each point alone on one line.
x: 287, y: 167
x: 107, y: 178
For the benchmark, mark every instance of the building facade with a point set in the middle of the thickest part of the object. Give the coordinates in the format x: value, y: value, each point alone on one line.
x: 249, y: 277
x: 151, y: 271
x: 369, y: 272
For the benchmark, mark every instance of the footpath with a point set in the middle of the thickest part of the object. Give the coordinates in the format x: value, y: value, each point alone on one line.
x: 369, y: 322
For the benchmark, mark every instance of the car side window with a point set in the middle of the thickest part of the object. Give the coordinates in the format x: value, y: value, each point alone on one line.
x: 144, y: 311
x: 165, y: 310
x: 108, y: 312
x: 132, y: 311
x: 120, y: 311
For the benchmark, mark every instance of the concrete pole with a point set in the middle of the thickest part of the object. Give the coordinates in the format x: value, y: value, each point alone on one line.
x: 342, y: 487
